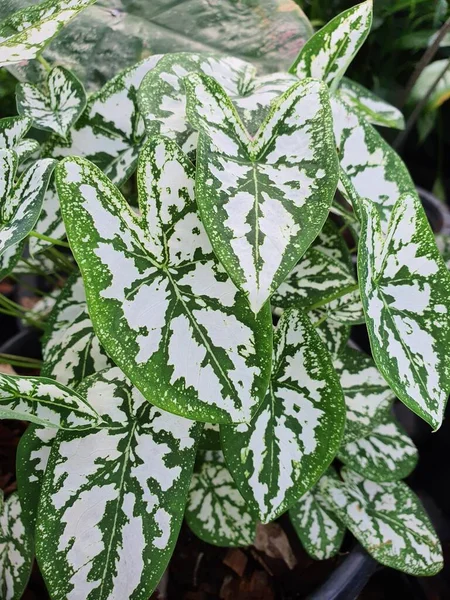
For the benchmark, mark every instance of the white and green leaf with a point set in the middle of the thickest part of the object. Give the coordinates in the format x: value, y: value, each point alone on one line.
x: 12, y: 131
x: 49, y: 224
x: 263, y: 200
x: 386, y: 454
x: 216, y: 511
x: 16, y: 549
x: 298, y: 429
x: 388, y: 520
x: 333, y: 334
x: 318, y: 528
x: 112, y: 500
x: 328, y: 53
x: 26, y: 33
x: 405, y: 289
x: 162, y: 306
x: 57, y: 110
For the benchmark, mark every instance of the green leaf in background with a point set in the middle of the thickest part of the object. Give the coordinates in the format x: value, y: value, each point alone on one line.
x: 20, y: 203
x: 172, y: 319
x: 112, y: 500
x: 31, y: 462
x: 26, y: 33
x: 71, y: 350
x: 298, y: 429
x: 324, y: 277
x: 58, y: 110
x: 320, y: 532
x: 16, y: 549
x: 427, y: 78
x: 373, y: 169
x: 388, y: 520
x: 328, y: 54
x: 262, y: 200
x: 12, y: 130
x: 216, y: 511
x: 386, y: 454
x: 333, y: 334
x: 367, y: 395
x: 369, y: 106
x: 45, y: 402
x: 405, y: 289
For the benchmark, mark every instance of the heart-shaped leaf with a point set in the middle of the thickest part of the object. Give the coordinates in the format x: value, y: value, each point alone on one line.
x: 12, y: 130
x: 58, y: 110
x: 16, y: 549
x: 298, y: 429
x: 216, y: 511
x: 388, y: 520
x: 405, y: 289
x: 26, y: 33
x: 45, y: 402
x: 262, y: 200
x: 328, y: 54
x: 20, y: 203
x: 320, y: 532
x: 162, y: 306
x: 386, y: 454
x: 112, y: 500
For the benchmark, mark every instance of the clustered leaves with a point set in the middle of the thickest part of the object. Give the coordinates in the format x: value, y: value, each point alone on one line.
x: 165, y: 389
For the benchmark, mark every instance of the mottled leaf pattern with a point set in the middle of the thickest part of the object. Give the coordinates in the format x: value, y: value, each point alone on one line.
x: 367, y: 395
x: 12, y: 130
x: 16, y: 549
x: 298, y: 428
x: 320, y: 532
x: 386, y: 454
x: 327, y: 55
x: 216, y: 511
x: 58, y: 110
x: 113, y: 499
x: 26, y: 33
x: 71, y: 350
x: 50, y: 222
x: 45, y: 402
x: 368, y: 106
x: 333, y: 334
x: 173, y: 320
x: 405, y: 288
x: 21, y: 202
x: 9, y: 259
x: 388, y: 520
x: 262, y: 200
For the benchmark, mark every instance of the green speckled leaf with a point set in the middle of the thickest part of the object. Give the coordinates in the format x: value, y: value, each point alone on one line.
x: 263, y: 200
x: 216, y: 511
x: 405, y: 288
x: 298, y: 428
x: 12, y: 131
x: 50, y: 223
x: 161, y: 305
x: 57, y: 110
x: 388, y: 520
x: 333, y: 334
x: 112, y: 500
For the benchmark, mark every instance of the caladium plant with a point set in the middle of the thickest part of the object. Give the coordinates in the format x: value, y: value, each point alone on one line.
x: 225, y: 230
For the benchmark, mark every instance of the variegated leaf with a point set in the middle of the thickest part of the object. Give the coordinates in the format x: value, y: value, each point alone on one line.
x: 26, y: 33
x: 443, y: 244
x: 373, y: 169
x: 216, y: 511
x: 20, y: 203
x: 327, y: 55
x: 12, y: 130
x: 31, y: 462
x: 367, y: 395
x: 388, y: 520
x: 386, y: 454
x: 58, y: 110
x: 161, y: 305
x: 9, y: 259
x: 112, y: 500
x: 71, y: 350
x: 49, y: 224
x: 324, y: 278
x: 45, y: 402
x: 298, y: 429
x: 320, y: 532
x: 263, y: 200
x: 369, y: 106
x: 405, y: 288
x: 333, y: 334
x: 16, y: 549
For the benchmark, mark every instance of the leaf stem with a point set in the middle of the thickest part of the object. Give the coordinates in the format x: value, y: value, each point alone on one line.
x: 322, y: 319
x: 49, y: 239
x: 20, y: 361
x: 47, y: 66
x: 347, y: 290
